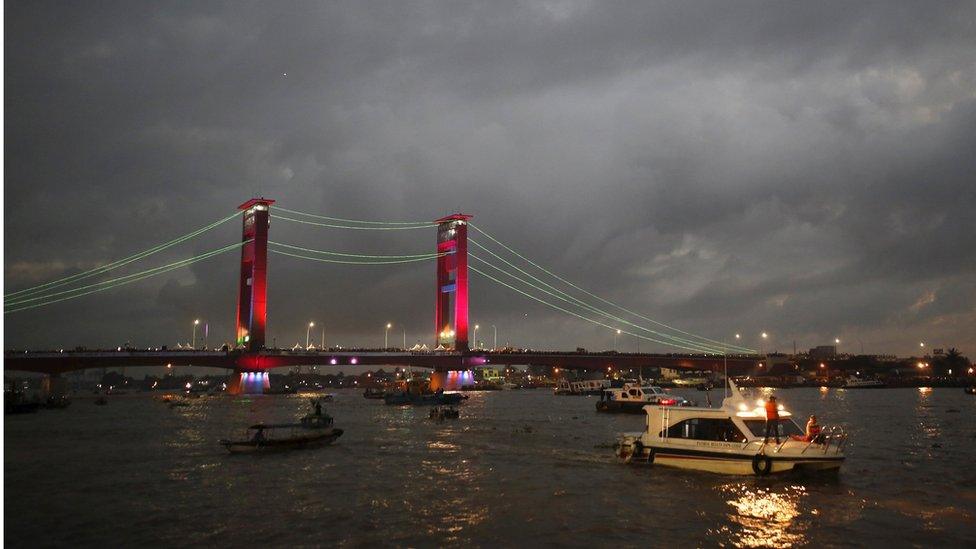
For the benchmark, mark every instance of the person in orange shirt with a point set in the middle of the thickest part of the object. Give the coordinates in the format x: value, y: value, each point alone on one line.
x: 772, y: 419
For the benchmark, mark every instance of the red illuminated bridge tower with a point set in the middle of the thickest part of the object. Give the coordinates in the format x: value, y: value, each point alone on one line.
x: 451, y: 309
x: 252, y: 298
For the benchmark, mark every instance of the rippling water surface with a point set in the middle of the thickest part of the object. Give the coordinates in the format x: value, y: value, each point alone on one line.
x: 518, y: 468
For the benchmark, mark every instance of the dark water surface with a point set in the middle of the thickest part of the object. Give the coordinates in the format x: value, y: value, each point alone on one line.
x: 519, y: 468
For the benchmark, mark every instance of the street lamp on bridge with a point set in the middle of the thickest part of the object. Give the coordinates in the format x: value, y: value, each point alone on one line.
x: 308, y: 334
x: 386, y: 335
x: 195, y: 324
x: 494, y: 343
x: 476, y: 336
x: 615, y: 339
x: 762, y: 341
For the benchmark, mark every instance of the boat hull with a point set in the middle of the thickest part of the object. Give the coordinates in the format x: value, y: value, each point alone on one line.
x: 726, y: 462
x: 312, y: 440
x: 621, y: 407
x: 742, y: 465
x: 403, y: 399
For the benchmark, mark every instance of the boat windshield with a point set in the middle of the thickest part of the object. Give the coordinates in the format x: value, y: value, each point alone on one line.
x: 785, y: 427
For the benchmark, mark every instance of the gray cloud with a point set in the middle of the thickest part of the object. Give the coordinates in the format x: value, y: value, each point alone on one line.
x: 725, y: 167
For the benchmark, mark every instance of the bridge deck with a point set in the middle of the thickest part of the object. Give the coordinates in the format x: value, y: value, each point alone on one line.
x: 54, y: 362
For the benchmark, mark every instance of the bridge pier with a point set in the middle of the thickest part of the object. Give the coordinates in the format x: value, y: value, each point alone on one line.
x: 53, y: 385
x: 243, y: 382
x: 450, y: 380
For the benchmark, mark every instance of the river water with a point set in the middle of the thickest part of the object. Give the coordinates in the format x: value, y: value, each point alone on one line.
x: 518, y: 468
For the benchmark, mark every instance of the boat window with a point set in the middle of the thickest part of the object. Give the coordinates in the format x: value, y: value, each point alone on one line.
x: 785, y: 426
x: 707, y: 429
x: 632, y: 392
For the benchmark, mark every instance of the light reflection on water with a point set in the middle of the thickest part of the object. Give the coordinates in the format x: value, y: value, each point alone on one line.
x: 765, y: 517
x: 518, y: 468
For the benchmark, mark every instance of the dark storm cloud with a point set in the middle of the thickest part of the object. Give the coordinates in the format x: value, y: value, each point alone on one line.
x: 726, y: 167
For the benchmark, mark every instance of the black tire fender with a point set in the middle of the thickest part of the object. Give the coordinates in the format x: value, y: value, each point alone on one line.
x: 638, y: 449
x: 761, y: 465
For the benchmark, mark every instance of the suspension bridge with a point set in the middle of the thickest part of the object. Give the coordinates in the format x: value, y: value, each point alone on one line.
x: 250, y: 358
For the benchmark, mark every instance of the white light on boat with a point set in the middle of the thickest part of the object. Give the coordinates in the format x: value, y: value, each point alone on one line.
x: 743, y: 407
x: 781, y: 408
x: 761, y: 402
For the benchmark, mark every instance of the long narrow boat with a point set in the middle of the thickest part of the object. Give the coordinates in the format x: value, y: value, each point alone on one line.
x: 283, y: 436
x: 431, y: 399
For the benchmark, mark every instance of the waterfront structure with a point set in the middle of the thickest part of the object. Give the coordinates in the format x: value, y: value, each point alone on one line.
x: 250, y: 359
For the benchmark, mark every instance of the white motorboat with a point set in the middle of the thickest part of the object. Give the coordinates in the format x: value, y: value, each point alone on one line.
x: 858, y: 383
x: 581, y: 387
x: 730, y: 440
x: 632, y: 397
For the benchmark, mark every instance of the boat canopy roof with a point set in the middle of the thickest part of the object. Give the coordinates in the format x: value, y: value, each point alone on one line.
x: 274, y: 425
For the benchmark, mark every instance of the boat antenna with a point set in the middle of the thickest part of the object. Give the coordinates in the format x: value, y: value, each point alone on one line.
x: 725, y: 359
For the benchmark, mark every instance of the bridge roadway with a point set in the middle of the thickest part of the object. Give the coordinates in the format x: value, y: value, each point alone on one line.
x: 57, y: 362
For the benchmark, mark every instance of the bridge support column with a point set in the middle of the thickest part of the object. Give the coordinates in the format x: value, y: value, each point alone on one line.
x: 252, y: 300
x: 451, y: 301
x: 53, y: 386
x: 451, y: 380
x: 242, y: 382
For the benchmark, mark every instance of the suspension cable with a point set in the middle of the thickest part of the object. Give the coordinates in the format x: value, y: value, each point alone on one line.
x: 336, y: 226
x: 340, y: 254
x: 350, y: 262
x: 119, y: 281
x: 597, y: 322
x: 118, y: 263
x: 591, y: 294
x: 697, y: 345
x: 345, y: 220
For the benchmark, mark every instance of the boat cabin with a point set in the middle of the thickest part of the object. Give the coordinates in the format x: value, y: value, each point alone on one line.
x: 638, y: 392
x: 738, y: 424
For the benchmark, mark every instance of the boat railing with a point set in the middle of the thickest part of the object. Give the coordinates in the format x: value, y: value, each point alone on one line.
x: 834, y: 434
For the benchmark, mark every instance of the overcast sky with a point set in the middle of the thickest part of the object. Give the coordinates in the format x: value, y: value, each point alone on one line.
x: 801, y: 168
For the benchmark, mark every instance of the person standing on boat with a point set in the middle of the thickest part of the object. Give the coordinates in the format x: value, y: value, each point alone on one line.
x: 318, y: 408
x: 772, y: 419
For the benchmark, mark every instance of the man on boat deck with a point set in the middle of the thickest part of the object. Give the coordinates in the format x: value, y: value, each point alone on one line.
x: 772, y: 419
x: 813, y: 429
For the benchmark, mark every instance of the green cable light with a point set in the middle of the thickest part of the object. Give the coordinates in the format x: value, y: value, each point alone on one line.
x: 558, y: 308
x: 126, y: 277
x: 554, y: 275
x: 344, y: 262
x: 340, y: 254
x: 334, y: 226
x: 118, y: 263
x: 122, y: 281
x: 695, y: 344
x: 576, y: 301
x: 344, y: 220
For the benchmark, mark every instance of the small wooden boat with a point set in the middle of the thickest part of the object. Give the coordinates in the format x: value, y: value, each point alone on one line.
x: 439, y: 398
x: 14, y: 402
x: 55, y: 402
x: 374, y: 393
x: 283, y: 436
x: 441, y: 414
